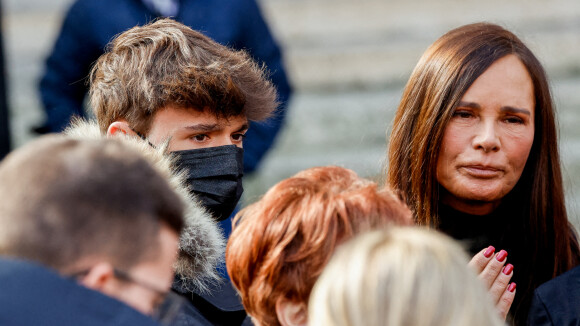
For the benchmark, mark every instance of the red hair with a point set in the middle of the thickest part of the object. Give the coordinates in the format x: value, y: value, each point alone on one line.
x: 280, y: 244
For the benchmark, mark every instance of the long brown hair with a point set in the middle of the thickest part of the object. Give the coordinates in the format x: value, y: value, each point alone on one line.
x: 443, y: 75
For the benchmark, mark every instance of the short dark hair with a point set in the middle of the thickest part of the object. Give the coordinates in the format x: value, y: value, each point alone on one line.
x: 167, y: 63
x: 65, y: 199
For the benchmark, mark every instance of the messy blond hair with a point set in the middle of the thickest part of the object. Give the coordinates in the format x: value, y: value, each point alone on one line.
x: 167, y: 63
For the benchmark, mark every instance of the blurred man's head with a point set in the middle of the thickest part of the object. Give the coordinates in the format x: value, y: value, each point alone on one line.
x: 92, y: 209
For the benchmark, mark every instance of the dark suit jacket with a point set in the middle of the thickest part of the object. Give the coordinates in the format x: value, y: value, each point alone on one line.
x: 32, y: 295
x: 557, y: 302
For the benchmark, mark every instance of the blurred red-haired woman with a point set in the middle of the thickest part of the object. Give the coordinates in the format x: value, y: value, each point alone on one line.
x: 280, y: 244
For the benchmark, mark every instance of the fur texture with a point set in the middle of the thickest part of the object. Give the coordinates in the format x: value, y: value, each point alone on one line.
x: 201, y: 244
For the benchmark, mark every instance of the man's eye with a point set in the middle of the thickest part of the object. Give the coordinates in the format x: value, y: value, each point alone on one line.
x: 238, y: 137
x: 201, y: 137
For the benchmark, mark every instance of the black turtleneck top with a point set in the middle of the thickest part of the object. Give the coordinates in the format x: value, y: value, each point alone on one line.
x: 499, y: 229
x: 476, y: 232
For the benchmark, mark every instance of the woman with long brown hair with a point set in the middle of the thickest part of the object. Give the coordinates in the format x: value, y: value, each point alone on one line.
x: 474, y: 150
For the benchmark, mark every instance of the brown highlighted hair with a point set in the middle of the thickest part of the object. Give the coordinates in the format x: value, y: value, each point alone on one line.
x: 64, y: 200
x: 280, y: 244
x: 444, y: 73
x: 167, y: 63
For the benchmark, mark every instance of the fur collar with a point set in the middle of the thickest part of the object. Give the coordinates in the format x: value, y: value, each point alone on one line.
x: 202, y: 244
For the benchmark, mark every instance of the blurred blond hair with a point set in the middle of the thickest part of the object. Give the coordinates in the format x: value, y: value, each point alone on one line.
x: 400, y: 276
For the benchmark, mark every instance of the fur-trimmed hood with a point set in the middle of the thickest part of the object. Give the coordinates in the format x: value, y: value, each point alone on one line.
x: 201, y: 244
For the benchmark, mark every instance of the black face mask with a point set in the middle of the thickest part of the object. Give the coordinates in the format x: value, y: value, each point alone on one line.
x: 214, y: 175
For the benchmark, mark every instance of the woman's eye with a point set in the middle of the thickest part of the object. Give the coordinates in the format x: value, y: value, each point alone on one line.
x: 462, y: 114
x: 514, y: 120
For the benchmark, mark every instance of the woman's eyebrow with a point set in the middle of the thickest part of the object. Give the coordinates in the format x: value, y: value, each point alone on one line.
x: 506, y: 108
x: 512, y: 109
x: 469, y: 105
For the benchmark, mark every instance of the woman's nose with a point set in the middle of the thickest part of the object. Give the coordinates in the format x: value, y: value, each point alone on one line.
x: 487, y: 138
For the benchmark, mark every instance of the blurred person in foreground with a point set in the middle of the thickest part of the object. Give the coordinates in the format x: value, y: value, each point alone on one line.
x: 400, y: 277
x: 89, y: 25
x: 175, y: 90
x: 280, y: 244
x: 89, y: 231
x: 474, y: 150
x: 556, y: 302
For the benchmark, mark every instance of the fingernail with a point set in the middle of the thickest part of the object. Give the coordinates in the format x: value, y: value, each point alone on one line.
x: 512, y: 287
x: 489, y: 251
x: 508, y: 269
x: 501, y: 255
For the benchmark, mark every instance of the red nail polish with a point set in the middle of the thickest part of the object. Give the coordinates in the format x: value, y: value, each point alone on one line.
x: 501, y: 255
x: 512, y: 287
x: 508, y: 269
x: 489, y: 251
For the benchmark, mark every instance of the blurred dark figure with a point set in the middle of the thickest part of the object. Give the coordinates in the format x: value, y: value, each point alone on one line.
x: 90, y: 24
x: 4, y: 127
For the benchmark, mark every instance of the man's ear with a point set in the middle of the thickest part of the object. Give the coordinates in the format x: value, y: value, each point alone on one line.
x: 120, y: 126
x: 99, y: 276
x: 291, y: 313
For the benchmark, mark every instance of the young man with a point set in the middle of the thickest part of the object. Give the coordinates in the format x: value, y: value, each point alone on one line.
x: 83, y: 218
x: 89, y: 25
x: 182, y: 92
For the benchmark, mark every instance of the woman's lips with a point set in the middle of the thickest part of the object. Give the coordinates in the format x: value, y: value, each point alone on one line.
x: 479, y: 171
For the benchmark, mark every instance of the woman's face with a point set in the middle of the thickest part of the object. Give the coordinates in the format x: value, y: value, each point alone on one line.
x: 487, y: 141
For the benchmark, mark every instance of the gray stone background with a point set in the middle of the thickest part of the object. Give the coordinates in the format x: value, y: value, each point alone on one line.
x: 348, y: 61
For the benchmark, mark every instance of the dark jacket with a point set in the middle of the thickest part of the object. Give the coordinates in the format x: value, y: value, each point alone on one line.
x: 89, y: 25
x: 557, y: 302
x: 31, y: 295
x: 220, y: 306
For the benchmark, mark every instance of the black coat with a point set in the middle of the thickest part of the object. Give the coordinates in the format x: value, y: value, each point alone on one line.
x: 32, y: 295
x: 221, y: 306
x: 557, y: 302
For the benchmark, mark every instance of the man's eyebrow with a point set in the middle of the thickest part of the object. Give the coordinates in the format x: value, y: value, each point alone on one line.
x: 204, y: 127
x: 512, y: 109
x: 244, y: 127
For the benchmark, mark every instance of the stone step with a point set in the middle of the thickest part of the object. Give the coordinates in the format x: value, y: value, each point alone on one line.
x: 367, y: 44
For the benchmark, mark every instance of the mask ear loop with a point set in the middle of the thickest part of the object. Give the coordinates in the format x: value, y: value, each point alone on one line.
x: 145, y: 139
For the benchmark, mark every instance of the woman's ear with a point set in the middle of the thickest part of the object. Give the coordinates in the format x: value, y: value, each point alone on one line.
x: 291, y: 313
x: 120, y: 126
